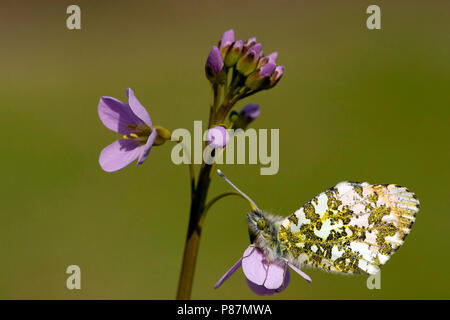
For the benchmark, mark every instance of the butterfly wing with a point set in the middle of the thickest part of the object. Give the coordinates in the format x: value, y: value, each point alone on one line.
x: 350, y: 228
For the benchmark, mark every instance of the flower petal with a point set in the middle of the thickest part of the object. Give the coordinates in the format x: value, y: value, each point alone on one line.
x: 276, y: 75
x: 254, y: 265
x: 118, y: 155
x: 218, y: 137
x: 116, y: 115
x: 227, y: 39
x: 267, y: 69
x: 138, y: 109
x: 256, y: 49
x: 260, y: 289
x: 214, y: 62
x: 273, y: 57
x: 275, y: 276
x: 251, y: 111
x: 248, y: 44
x: 145, y: 150
x: 287, y: 279
x: 300, y: 272
x: 228, y: 274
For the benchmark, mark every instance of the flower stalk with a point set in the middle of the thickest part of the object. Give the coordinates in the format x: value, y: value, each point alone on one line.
x: 235, y: 70
x: 196, y: 214
x: 197, y: 211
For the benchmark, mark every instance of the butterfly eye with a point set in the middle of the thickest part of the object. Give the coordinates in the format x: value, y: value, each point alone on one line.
x: 261, y: 224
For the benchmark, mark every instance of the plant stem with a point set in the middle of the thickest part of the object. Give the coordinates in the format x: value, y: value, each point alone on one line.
x: 197, y: 212
x: 193, y: 235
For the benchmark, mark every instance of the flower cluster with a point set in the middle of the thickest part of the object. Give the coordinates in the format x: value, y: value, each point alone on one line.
x: 239, y: 69
x: 254, y: 71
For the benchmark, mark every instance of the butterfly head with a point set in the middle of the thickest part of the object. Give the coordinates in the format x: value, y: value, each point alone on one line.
x: 256, y: 223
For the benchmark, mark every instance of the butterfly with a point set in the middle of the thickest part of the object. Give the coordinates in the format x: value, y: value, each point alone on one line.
x: 351, y: 228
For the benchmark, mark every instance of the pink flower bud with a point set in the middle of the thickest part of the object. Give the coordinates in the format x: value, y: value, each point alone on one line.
x: 218, y: 137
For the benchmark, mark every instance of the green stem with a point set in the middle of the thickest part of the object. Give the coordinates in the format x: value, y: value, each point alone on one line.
x: 197, y: 212
x: 192, y: 244
x: 213, y: 110
x: 200, y: 191
x: 193, y: 235
x: 226, y: 107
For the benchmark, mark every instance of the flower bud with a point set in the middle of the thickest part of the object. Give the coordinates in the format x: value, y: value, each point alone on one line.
x: 218, y: 137
x: 248, y: 44
x: 257, y: 49
x: 276, y: 76
x: 162, y: 135
x: 234, y: 54
x: 226, y: 41
x: 248, y: 113
x: 271, y: 58
x: 260, y: 78
x: 249, y: 61
x: 214, y: 66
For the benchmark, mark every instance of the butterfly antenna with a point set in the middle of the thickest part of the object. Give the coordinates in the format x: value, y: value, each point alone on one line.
x: 252, y: 204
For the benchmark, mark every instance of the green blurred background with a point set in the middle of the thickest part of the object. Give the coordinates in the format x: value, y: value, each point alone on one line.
x: 354, y: 104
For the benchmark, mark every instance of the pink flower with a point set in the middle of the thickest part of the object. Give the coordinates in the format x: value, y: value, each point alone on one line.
x: 218, y: 137
x: 134, y: 124
x: 263, y: 277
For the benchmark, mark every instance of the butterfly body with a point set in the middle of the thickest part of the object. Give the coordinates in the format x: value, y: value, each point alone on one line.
x: 266, y: 236
x: 350, y: 228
